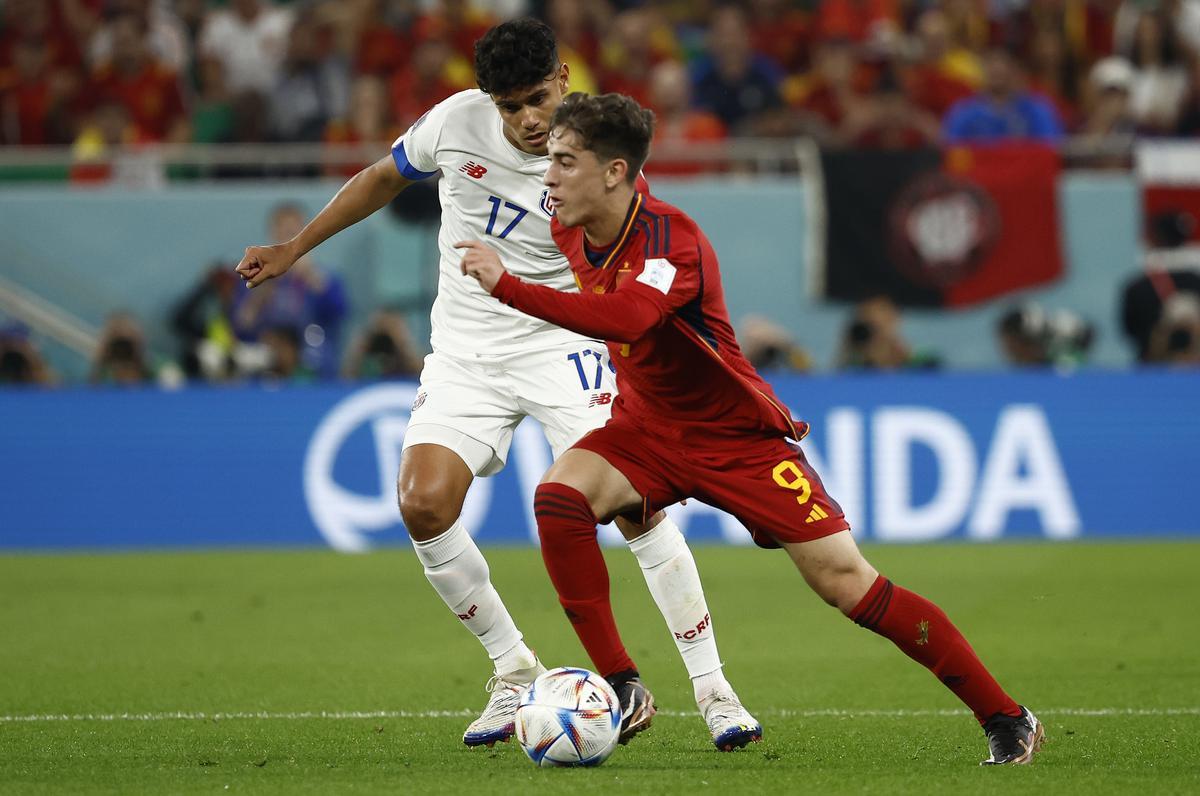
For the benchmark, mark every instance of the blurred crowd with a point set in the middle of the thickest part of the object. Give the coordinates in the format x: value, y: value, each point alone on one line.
x: 105, y: 74
x: 287, y: 330
x: 110, y: 75
x: 290, y: 331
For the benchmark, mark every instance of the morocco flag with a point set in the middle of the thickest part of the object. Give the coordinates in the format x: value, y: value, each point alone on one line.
x: 936, y: 227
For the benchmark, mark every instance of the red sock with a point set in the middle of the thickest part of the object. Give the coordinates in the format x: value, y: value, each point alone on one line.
x: 567, y: 528
x: 927, y: 635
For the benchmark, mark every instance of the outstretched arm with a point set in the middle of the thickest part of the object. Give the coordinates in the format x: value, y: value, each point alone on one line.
x: 622, y: 317
x: 366, y: 192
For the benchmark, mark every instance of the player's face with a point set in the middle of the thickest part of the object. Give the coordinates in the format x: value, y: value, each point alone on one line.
x: 576, y: 178
x: 526, y: 112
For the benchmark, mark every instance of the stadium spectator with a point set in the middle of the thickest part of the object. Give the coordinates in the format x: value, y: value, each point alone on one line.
x: 1003, y: 109
x: 107, y: 150
x: 60, y: 26
x: 1183, y: 16
x: 166, y: 39
x: 1160, y: 82
x: 1028, y: 336
x: 385, y: 37
x: 575, y: 23
x: 1159, y: 315
x: 434, y: 72
x: 857, y: 20
x: 677, y: 123
x: 768, y: 346
x: 637, y: 41
x: 284, y: 362
x: 148, y: 89
x: 192, y: 15
x: 888, y: 119
x: 20, y: 360
x: 35, y: 98
x: 314, y: 83
x: 307, y: 299
x: 202, y: 322
x: 213, y: 119
x: 872, y: 340
x: 832, y: 91
x: 969, y: 26
x: 367, y: 121
x: 1189, y: 114
x: 733, y: 81
x: 1175, y: 339
x: 1054, y: 73
x: 945, y: 72
x: 1110, y: 114
x: 458, y: 23
x: 383, y: 350
x: 121, y: 357
x: 781, y: 31
x: 1021, y: 335
x: 250, y: 39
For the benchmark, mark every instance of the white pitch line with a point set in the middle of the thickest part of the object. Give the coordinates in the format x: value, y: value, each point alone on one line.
x: 438, y: 714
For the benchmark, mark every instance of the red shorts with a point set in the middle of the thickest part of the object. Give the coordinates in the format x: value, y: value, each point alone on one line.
x: 765, y: 482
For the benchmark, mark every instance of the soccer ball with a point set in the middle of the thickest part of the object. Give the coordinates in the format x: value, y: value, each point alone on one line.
x: 569, y: 717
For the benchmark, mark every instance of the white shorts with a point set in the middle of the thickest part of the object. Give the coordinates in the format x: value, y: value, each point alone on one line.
x: 473, y: 406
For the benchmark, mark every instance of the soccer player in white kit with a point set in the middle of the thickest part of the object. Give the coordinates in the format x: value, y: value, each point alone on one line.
x: 492, y: 366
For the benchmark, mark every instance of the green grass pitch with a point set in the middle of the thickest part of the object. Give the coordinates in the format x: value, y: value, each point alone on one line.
x: 292, y: 672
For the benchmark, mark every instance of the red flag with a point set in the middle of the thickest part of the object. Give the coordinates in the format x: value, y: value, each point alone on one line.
x: 1022, y: 182
x: 932, y: 228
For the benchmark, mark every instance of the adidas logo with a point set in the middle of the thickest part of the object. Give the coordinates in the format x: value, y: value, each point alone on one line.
x: 817, y: 513
x: 594, y: 698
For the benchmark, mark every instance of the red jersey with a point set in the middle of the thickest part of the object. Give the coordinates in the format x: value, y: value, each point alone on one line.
x: 655, y: 296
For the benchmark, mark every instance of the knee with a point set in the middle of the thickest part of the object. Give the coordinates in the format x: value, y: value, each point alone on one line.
x: 427, y: 509
x: 561, y: 510
x: 843, y: 584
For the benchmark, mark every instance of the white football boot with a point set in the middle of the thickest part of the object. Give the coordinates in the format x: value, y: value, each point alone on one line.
x: 731, y: 725
x: 497, y: 722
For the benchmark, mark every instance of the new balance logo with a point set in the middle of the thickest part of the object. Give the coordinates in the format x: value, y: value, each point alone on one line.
x: 817, y: 513
x: 473, y: 169
x: 470, y: 614
x: 600, y: 399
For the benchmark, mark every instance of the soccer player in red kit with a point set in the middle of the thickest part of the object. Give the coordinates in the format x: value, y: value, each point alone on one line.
x: 693, y: 418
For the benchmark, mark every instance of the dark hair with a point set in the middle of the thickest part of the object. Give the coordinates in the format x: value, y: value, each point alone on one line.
x: 515, y: 55
x: 1168, y: 45
x: 610, y: 125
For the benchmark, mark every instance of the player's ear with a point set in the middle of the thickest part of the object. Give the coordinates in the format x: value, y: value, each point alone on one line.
x: 614, y: 175
x: 564, y: 77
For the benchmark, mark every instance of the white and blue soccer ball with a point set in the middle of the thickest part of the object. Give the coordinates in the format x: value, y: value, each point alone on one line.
x: 569, y: 717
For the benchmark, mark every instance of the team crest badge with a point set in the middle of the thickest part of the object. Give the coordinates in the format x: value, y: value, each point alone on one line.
x: 547, y: 205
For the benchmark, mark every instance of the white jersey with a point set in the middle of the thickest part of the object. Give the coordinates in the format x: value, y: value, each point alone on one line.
x: 493, y: 192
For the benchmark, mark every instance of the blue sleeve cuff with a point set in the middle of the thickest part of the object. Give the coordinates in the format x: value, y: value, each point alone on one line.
x: 404, y: 167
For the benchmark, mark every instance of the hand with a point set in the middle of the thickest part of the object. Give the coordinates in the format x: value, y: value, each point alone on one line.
x: 261, y: 263
x: 481, y: 262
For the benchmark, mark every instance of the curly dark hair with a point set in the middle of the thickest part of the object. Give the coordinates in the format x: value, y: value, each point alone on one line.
x: 610, y: 125
x: 515, y: 55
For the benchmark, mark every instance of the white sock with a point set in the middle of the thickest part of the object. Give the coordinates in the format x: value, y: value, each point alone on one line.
x: 459, y: 574
x: 674, y: 582
x: 705, y: 685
